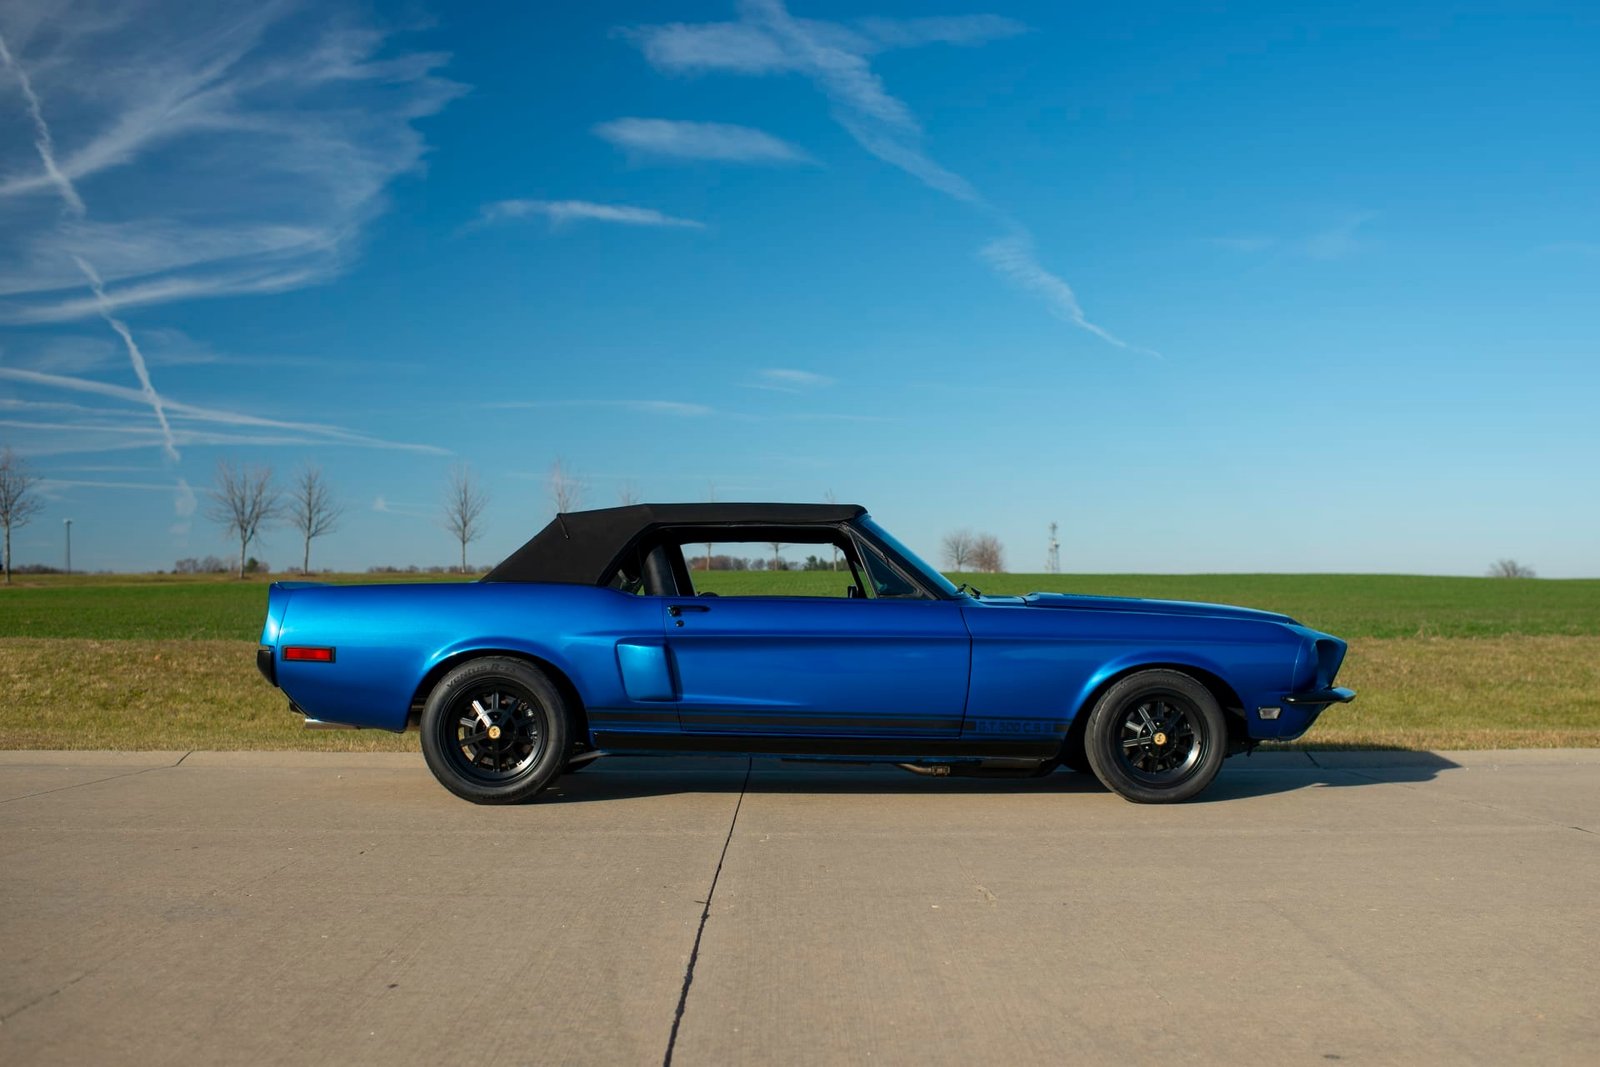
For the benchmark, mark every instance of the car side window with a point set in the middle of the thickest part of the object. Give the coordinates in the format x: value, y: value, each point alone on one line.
x: 885, y: 580
x: 771, y: 568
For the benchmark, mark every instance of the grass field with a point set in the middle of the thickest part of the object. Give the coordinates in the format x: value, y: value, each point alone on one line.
x: 166, y: 661
x: 1350, y: 605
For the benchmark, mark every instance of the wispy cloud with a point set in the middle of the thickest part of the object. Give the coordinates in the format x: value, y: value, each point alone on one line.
x: 184, y: 503
x: 563, y: 211
x: 184, y: 415
x: 76, y: 483
x: 1336, y: 241
x: 682, y: 409
x: 668, y: 407
x: 746, y: 48
x: 382, y: 506
x: 717, y: 141
x: 1339, y: 240
x: 1014, y: 258
x: 787, y: 380
x: 43, y: 142
x: 940, y: 29
x: 278, y: 134
x: 136, y: 357
x: 767, y: 39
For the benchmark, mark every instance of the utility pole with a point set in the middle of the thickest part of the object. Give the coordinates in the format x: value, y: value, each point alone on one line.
x: 68, y: 524
x: 1052, y: 560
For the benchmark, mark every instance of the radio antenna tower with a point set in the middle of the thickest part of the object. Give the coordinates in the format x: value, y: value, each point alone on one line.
x: 1052, y: 561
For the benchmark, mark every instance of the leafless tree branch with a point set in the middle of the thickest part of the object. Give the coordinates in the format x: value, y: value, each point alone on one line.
x: 244, y: 501
x: 566, y: 487
x: 313, y: 509
x: 463, y: 506
x: 988, y: 554
x: 957, y: 548
x: 18, y: 504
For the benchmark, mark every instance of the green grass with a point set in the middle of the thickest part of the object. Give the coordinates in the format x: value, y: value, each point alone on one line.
x: 1351, y: 606
x: 194, y: 607
x: 160, y: 661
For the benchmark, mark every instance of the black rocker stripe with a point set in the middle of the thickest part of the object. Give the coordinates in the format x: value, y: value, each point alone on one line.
x: 899, y: 747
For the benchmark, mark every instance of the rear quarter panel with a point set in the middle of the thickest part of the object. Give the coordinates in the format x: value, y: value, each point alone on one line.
x: 388, y: 637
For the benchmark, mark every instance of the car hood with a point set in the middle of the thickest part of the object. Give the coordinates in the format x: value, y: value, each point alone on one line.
x: 1136, y: 605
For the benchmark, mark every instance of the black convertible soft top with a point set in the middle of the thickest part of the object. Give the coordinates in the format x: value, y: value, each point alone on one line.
x: 579, y: 547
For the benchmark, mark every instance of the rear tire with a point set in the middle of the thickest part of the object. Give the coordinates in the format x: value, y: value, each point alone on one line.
x: 1156, y: 737
x: 495, y: 730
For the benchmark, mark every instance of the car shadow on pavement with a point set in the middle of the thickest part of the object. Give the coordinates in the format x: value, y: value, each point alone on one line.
x: 625, y: 777
x: 1243, y: 777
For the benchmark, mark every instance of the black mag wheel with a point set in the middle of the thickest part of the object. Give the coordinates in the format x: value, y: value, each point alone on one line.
x: 1157, y: 736
x: 494, y: 730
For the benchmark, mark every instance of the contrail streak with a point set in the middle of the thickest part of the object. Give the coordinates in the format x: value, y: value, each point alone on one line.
x: 1013, y: 258
x: 42, y: 139
x: 885, y: 126
x: 46, y: 146
x: 153, y: 398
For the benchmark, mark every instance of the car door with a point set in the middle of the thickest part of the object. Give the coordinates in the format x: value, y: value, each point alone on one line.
x: 808, y: 666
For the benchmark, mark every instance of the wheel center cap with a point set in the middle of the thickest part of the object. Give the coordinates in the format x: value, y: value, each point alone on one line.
x: 494, y: 733
x: 1159, y: 738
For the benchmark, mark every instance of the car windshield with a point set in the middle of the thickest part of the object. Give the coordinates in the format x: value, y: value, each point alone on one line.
x: 908, y: 557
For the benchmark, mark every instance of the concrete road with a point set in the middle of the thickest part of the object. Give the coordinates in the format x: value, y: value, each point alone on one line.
x: 292, y: 908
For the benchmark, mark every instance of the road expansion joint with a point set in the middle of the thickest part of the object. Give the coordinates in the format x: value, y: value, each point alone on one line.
x: 97, y: 781
x: 705, y: 913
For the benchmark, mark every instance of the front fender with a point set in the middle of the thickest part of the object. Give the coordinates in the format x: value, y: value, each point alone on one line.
x: 1145, y: 659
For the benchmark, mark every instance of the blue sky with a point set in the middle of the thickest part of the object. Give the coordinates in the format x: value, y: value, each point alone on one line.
x: 1219, y: 289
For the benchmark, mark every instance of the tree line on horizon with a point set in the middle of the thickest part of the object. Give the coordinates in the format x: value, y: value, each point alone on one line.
x: 246, y: 501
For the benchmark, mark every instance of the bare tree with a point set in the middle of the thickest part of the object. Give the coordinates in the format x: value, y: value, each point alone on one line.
x: 17, y: 503
x: 957, y: 548
x: 313, y: 510
x: 1510, y: 568
x: 566, y: 487
x: 245, y: 502
x: 627, y: 492
x: 777, y: 555
x: 988, y: 554
x: 463, y: 506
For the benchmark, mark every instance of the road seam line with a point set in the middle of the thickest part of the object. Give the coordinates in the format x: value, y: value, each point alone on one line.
x: 97, y: 781
x: 705, y: 913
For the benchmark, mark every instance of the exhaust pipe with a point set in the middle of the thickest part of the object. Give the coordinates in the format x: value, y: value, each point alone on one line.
x: 930, y: 770
x: 319, y: 724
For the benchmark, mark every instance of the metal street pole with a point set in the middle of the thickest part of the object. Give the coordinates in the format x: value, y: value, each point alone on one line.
x: 68, y: 523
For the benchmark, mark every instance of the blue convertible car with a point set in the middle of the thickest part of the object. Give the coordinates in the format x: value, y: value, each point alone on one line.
x: 592, y: 639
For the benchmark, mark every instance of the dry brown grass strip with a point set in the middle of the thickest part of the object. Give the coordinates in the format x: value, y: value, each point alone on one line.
x: 1467, y: 692
x: 1441, y: 693
x: 81, y: 693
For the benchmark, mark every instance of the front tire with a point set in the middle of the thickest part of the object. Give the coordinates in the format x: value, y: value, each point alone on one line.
x: 495, y: 730
x: 1156, y: 737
